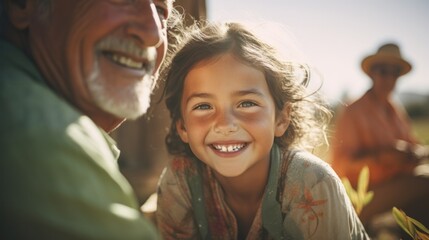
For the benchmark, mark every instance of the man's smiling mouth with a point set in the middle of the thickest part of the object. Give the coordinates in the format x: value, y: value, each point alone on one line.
x: 229, y: 148
x: 127, y: 53
x: 126, y: 61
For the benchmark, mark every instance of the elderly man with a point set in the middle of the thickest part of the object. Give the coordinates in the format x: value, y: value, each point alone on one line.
x: 373, y: 131
x: 70, y: 72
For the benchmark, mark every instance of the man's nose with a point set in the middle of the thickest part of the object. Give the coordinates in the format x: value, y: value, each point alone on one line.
x: 146, y: 25
x: 225, y: 123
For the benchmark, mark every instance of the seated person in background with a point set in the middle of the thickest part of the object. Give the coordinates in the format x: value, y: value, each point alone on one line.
x: 376, y: 132
x: 240, y: 121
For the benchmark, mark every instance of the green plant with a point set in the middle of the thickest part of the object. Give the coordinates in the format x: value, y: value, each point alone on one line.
x: 361, y: 196
x: 411, y: 226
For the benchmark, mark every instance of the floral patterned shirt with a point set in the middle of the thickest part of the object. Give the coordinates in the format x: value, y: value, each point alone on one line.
x: 304, y: 199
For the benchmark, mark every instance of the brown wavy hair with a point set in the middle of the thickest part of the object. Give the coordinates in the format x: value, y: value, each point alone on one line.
x: 287, y: 81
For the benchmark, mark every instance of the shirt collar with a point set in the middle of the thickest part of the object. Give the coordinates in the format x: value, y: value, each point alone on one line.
x: 272, y: 219
x: 111, y: 143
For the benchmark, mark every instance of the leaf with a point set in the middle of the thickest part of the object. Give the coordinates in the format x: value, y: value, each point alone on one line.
x: 411, y: 227
x: 401, y: 219
x: 368, y: 197
x: 359, y: 207
x: 363, y: 181
x: 419, y: 225
x: 347, y: 185
x: 350, y: 191
x: 422, y: 236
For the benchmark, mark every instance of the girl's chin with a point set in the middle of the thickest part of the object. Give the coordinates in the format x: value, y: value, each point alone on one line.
x: 228, y: 173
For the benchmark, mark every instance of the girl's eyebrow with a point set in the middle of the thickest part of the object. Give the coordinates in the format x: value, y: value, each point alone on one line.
x: 251, y: 91
x: 198, y: 95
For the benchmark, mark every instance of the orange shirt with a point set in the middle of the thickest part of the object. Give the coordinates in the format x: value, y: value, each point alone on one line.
x: 365, y: 134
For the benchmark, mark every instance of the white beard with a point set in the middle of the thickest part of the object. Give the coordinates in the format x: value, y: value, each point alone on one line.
x: 129, y: 102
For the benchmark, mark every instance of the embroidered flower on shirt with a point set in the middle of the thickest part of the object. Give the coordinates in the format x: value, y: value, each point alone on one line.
x: 308, y: 204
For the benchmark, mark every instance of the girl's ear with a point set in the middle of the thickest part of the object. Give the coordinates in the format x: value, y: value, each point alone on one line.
x: 283, y: 120
x: 181, y: 130
x: 20, y: 14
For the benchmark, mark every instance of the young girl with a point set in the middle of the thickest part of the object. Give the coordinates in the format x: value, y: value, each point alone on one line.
x: 240, y: 117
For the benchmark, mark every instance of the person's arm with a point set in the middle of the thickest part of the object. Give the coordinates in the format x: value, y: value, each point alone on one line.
x: 352, y: 150
x: 66, y: 185
x: 174, y: 214
x: 398, y: 152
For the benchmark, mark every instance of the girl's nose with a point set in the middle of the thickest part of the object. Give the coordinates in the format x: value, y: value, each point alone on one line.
x: 225, y: 123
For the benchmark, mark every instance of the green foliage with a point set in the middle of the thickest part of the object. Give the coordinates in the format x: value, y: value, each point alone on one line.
x: 421, y: 130
x: 360, y: 197
x: 411, y: 226
x: 418, y: 110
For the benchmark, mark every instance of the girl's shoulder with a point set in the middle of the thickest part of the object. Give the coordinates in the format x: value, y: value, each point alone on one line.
x: 178, y: 171
x: 305, y: 166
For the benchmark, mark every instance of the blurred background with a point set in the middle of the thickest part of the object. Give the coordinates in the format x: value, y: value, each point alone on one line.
x: 331, y: 35
x: 335, y: 35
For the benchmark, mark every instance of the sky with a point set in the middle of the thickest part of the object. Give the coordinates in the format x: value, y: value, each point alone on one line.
x: 333, y: 36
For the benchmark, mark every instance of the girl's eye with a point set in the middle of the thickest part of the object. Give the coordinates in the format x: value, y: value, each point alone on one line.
x: 202, y: 107
x: 247, y: 104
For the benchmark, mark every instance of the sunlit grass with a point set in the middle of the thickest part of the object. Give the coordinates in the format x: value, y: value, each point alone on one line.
x: 421, y: 130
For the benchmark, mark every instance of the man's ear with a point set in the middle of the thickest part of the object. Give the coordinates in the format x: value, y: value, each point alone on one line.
x: 283, y: 120
x: 20, y: 14
x: 181, y: 130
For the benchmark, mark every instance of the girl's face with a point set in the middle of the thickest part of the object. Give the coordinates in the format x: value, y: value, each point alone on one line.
x: 229, y: 117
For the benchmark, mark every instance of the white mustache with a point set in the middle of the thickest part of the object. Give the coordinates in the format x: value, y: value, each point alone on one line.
x: 129, y: 47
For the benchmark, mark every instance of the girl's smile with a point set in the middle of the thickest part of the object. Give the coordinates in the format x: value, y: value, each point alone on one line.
x: 229, y: 148
x: 229, y: 116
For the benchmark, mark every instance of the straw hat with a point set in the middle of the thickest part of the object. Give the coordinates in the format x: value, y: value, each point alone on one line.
x: 387, y: 54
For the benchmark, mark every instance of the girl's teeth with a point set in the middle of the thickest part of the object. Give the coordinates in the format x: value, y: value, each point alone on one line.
x: 229, y: 148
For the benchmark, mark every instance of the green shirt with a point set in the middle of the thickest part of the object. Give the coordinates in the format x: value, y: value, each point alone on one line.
x: 59, y: 177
